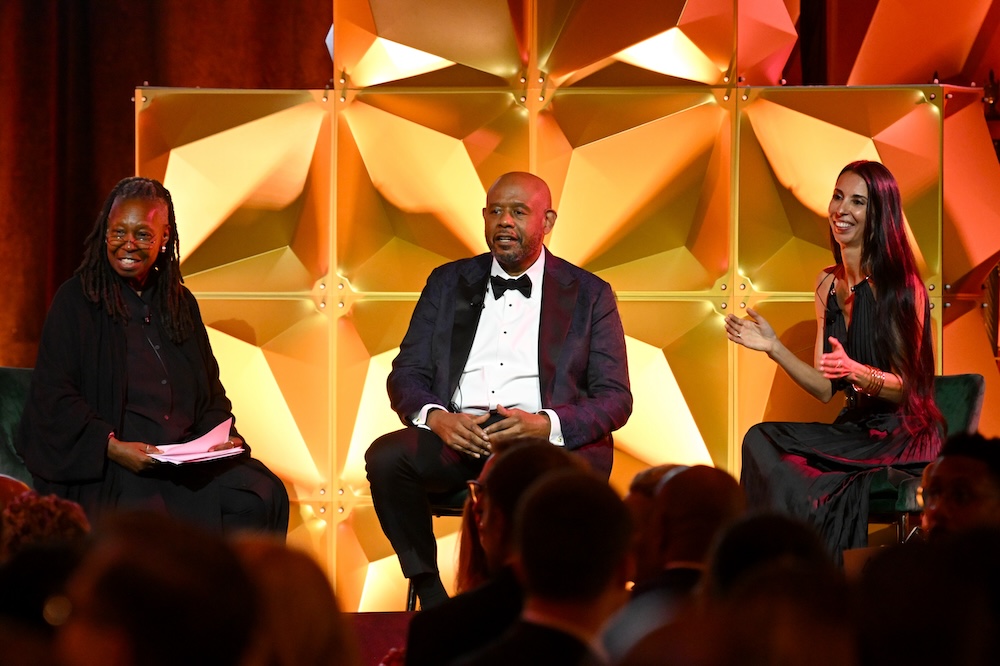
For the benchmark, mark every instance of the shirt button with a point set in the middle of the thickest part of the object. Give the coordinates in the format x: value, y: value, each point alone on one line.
x: 163, y: 381
x: 166, y: 417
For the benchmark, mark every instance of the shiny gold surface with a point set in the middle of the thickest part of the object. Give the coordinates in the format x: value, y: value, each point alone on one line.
x: 309, y: 221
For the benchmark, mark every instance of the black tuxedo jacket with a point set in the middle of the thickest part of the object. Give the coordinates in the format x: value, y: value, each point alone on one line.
x: 582, y: 369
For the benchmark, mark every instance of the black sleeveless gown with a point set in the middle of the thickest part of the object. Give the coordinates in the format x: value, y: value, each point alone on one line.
x: 822, y: 473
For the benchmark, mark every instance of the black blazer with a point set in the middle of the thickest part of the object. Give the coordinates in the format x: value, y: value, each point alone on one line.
x: 582, y: 368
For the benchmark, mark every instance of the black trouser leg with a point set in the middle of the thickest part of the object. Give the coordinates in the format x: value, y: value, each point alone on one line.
x: 403, y: 467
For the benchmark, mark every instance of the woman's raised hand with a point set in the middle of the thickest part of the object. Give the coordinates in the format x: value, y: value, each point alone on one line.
x: 752, y: 331
x: 836, y: 364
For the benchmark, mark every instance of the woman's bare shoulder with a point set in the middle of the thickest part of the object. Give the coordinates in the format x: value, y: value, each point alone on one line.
x: 827, y: 276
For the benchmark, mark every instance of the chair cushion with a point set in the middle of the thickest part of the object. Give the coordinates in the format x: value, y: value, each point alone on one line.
x: 448, y: 504
x: 960, y: 399
x: 14, y: 385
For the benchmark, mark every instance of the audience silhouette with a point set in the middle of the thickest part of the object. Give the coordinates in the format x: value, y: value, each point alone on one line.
x: 712, y: 585
x: 472, y: 619
x: 962, y: 487
x: 572, y: 537
x: 690, y: 505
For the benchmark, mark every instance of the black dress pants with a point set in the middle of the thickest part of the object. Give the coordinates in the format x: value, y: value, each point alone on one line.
x: 403, y: 467
x: 228, y: 495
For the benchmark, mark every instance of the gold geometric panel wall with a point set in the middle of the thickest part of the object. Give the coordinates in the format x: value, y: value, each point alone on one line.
x: 309, y: 221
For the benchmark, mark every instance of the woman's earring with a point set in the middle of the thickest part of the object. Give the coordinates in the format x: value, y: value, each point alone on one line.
x: 163, y: 248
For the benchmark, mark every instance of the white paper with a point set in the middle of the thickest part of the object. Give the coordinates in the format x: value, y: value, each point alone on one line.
x: 197, y: 450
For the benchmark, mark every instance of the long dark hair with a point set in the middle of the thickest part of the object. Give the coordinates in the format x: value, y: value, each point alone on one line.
x: 102, y: 286
x: 887, y: 258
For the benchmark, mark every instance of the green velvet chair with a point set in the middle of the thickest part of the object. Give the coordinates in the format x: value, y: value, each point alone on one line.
x: 14, y: 386
x: 893, y: 495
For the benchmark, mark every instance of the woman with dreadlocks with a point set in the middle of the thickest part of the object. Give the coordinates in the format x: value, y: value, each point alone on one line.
x: 873, y: 341
x: 124, y: 364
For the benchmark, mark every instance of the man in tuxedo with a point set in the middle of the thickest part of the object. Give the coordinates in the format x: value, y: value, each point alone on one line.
x: 512, y: 345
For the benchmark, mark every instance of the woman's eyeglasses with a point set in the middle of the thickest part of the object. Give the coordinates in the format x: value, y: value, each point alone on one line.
x: 475, y: 491
x: 142, y: 239
x: 958, y: 495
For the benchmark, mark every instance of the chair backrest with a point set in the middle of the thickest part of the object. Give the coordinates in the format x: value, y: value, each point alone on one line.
x: 14, y: 386
x: 960, y: 399
x: 10, y: 489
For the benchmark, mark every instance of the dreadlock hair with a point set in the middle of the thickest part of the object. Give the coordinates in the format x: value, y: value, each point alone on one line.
x: 886, y: 256
x: 102, y: 286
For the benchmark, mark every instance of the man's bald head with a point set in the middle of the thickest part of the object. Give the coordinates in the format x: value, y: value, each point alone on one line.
x: 518, y: 216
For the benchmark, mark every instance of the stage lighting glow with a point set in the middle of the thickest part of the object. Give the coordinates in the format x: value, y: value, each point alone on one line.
x: 673, y: 54
x: 389, y: 61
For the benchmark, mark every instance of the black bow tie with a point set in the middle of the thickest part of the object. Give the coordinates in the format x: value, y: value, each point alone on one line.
x: 500, y: 285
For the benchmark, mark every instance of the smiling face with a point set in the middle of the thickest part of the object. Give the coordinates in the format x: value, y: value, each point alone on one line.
x: 849, y: 210
x: 137, y: 230
x: 518, y: 215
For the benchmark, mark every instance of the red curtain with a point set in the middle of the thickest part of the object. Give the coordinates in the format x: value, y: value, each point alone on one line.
x: 68, y: 72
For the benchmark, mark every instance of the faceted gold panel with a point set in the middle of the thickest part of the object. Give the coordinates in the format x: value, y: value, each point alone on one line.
x: 968, y: 348
x: 643, y: 185
x: 971, y: 221
x: 239, y: 210
x: 679, y: 387
x: 765, y: 38
x: 911, y: 42
x: 412, y: 173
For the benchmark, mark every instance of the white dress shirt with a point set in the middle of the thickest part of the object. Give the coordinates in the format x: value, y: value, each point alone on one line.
x: 502, y: 368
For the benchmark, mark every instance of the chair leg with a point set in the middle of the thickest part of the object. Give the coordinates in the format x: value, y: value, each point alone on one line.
x: 411, y: 596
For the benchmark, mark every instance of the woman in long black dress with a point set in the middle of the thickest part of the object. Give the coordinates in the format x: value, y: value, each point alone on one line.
x: 125, y: 365
x: 873, y: 342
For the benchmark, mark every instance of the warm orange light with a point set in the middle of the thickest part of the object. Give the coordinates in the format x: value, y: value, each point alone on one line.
x: 786, y: 136
x: 389, y: 61
x: 672, y: 53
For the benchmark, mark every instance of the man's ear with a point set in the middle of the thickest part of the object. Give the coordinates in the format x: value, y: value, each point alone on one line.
x: 550, y: 221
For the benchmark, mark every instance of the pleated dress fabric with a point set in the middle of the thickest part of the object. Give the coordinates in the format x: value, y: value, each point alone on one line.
x: 820, y: 472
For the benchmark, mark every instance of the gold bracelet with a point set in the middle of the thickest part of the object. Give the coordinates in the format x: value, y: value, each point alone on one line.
x: 879, y: 377
x: 876, y: 380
